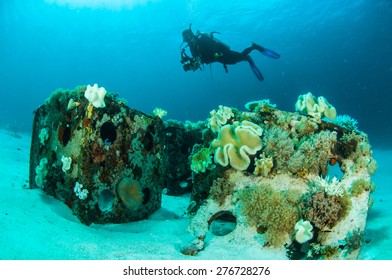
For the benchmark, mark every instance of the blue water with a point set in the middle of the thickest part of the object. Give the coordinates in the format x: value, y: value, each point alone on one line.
x: 340, y: 49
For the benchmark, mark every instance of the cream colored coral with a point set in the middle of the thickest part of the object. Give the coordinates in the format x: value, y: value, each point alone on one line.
x: 141, y: 122
x: 303, y: 231
x: 95, y: 95
x: 66, y: 163
x: 41, y: 171
x: 219, y: 118
x: 263, y: 166
x: 159, y: 112
x: 202, y: 161
x: 43, y: 135
x: 80, y: 192
x: 330, y: 186
x: 307, y: 105
x: 235, y: 143
x: 260, y: 105
x: 72, y: 104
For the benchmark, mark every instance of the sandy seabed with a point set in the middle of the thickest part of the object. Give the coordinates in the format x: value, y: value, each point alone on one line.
x: 36, y: 226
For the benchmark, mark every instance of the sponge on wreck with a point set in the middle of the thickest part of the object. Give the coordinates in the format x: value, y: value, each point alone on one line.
x: 130, y: 193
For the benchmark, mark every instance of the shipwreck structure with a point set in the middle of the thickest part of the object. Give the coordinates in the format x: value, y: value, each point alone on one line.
x: 294, y: 182
x: 104, y: 161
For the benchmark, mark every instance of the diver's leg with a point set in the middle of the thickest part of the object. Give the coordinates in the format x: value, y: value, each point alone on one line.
x: 258, y: 47
x: 247, y: 51
x: 254, y: 46
x: 230, y: 57
x: 265, y: 51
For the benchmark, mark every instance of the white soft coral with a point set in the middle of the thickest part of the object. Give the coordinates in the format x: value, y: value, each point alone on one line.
x: 80, y: 192
x: 95, y: 95
x: 331, y: 187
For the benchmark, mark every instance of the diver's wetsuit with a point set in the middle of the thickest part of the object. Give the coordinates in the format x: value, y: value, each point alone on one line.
x: 211, y: 50
x: 206, y: 49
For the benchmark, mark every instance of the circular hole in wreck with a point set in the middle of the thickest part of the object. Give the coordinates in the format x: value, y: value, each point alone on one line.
x: 105, y: 201
x: 137, y: 172
x: 146, y: 196
x: 148, y: 142
x: 108, y: 133
x: 64, y: 134
x: 222, y: 223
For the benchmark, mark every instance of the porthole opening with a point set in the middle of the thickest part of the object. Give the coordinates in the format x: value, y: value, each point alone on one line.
x: 108, y: 133
x: 105, y: 201
x: 222, y: 223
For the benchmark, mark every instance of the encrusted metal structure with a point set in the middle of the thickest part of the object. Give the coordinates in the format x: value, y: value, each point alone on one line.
x: 180, y: 140
x: 296, y: 184
x: 104, y: 163
x: 284, y: 182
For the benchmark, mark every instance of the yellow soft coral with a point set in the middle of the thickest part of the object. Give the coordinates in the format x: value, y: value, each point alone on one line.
x: 235, y: 143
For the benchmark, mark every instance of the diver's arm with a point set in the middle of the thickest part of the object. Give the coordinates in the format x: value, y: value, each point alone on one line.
x: 190, y: 63
x: 184, y: 56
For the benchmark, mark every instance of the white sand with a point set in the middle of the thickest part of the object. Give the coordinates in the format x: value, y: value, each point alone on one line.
x: 36, y: 226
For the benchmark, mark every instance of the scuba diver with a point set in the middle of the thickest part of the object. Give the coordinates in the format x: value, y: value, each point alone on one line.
x: 206, y: 49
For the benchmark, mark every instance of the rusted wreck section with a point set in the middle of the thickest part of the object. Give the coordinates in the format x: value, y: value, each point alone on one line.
x: 106, y: 163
